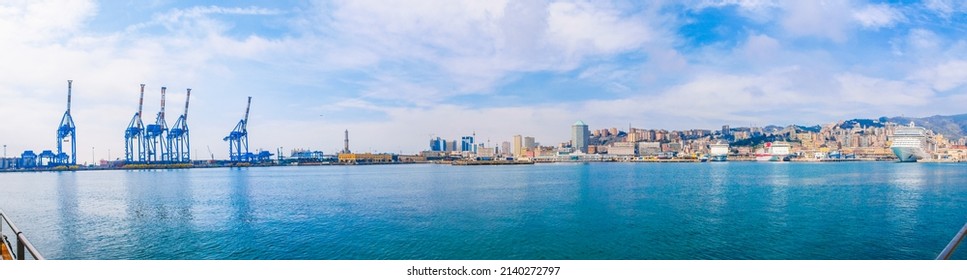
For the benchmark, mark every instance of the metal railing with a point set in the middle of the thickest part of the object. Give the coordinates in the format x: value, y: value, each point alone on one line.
x: 949, y: 250
x: 22, y: 242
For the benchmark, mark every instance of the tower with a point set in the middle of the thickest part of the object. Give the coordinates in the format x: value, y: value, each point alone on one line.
x: 580, y: 136
x: 345, y: 149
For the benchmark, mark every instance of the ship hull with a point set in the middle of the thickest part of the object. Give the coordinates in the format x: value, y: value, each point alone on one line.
x: 908, y: 154
x: 767, y: 157
x: 719, y: 158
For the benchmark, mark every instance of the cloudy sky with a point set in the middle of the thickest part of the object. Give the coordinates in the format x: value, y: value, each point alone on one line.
x: 396, y: 73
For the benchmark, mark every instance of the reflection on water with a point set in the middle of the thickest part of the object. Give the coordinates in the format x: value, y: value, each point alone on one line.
x: 67, y: 211
x: 908, y: 183
x: 715, y: 194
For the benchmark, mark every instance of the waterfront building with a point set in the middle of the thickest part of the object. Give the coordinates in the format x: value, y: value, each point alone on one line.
x: 486, y: 153
x: 624, y: 149
x: 580, y: 136
x: 673, y: 147
x: 518, y: 146
x: 305, y: 154
x: 8, y: 163
x: 649, y: 148
x: 350, y: 158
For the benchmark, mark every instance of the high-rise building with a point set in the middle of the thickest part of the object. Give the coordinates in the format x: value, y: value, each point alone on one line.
x: 438, y: 145
x: 466, y: 144
x: 725, y: 130
x: 529, y: 143
x: 518, y: 146
x: 580, y: 136
x: 505, y: 148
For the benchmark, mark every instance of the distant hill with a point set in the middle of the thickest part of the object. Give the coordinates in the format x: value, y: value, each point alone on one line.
x: 863, y: 123
x: 951, y: 127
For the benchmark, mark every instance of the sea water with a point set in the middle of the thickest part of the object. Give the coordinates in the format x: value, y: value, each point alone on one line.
x: 637, y: 211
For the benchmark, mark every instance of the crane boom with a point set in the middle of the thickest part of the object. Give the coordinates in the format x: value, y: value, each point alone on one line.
x: 246, y: 110
x: 69, y: 82
x: 186, y: 104
x: 141, y: 101
x: 162, y: 113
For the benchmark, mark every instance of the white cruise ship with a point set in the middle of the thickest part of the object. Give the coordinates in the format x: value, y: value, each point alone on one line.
x: 908, y: 142
x: 719, y: 151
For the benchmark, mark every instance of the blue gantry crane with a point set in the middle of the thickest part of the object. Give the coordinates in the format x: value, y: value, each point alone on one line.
x: 65, y: 130
x: 238, y: 139
x: 156, y: 145
x: 178, y: 137
x: 133, y: 136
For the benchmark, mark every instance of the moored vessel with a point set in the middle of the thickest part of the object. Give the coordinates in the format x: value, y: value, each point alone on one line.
x: 908, y: 142
x: 778, y: 151
x: 719, y: 151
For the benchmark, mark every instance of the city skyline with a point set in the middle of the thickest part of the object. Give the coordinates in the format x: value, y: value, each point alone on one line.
x: 396, y: 75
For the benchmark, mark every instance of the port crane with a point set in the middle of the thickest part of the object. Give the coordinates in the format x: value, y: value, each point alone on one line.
x: 238, y: 139
x: 178, y: 137
x: 133, y: 137
x: 156, y: 145
x: 65, y: 130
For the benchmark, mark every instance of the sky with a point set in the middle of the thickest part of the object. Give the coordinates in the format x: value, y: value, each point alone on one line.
x: 398, y: 73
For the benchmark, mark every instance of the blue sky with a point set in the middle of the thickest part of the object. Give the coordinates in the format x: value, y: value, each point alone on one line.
x: 396, y: 73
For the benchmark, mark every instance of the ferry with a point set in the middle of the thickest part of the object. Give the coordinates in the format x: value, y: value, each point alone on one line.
x: 778, y: 151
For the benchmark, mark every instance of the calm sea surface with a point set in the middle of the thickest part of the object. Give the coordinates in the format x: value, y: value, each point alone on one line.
x: 734, y: 210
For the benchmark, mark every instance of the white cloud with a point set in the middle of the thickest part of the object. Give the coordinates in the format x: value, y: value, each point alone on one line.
x: 583, y: 29
x: 946, y: 8
x: 877, y: 16
x: 944, y: 76
x: 474, y: 47
x: 42, y: 21
x: 827, y: 19
x: 882, y: 93
x: 830, y: 19
x: 761, y: 48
